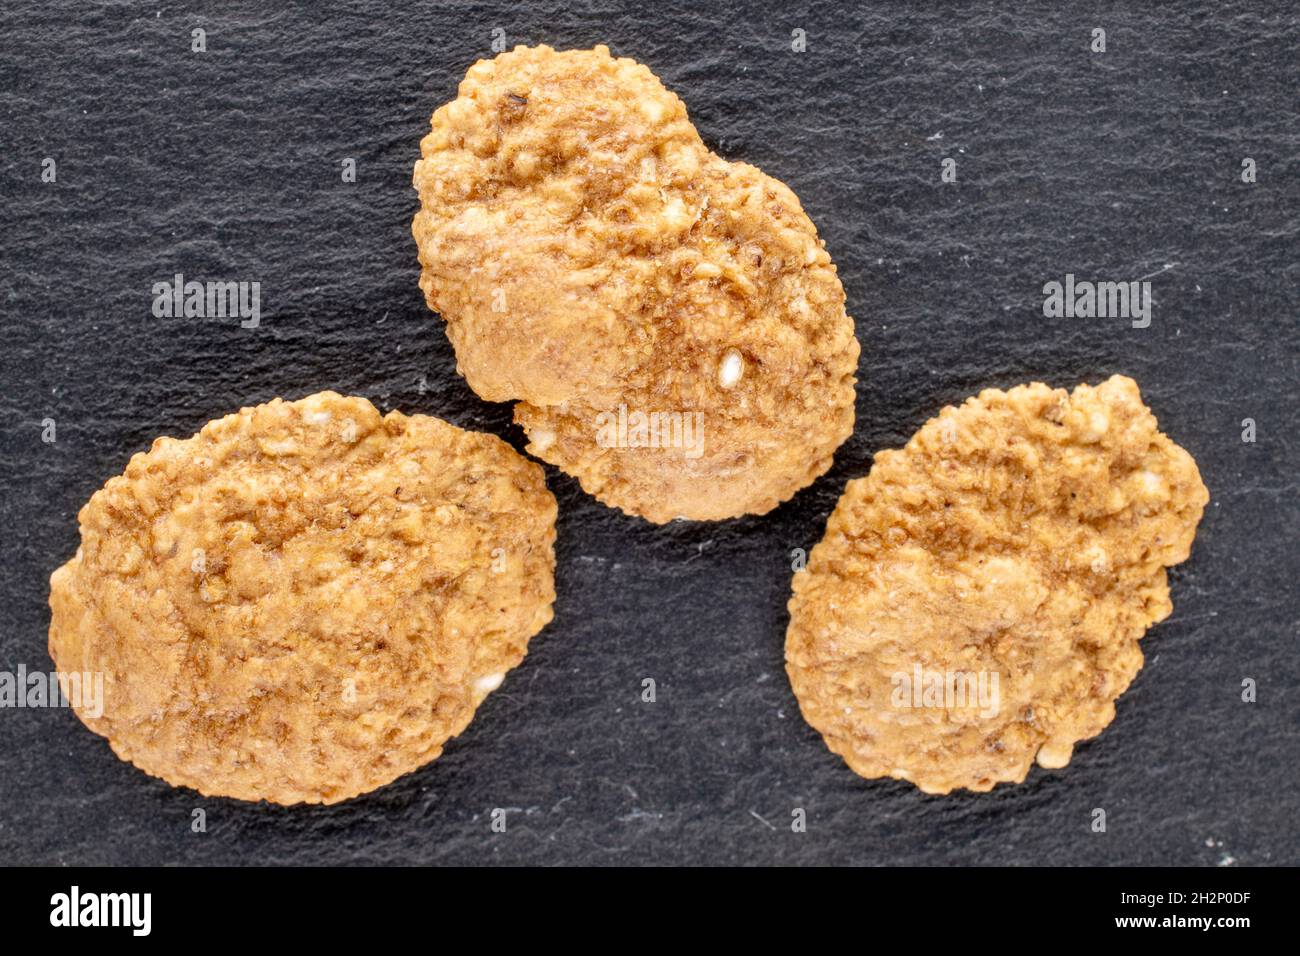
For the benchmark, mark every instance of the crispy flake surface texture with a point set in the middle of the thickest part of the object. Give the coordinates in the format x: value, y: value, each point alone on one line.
x: 669, y: 323
x: 305, y: 600
x: 977, y: 600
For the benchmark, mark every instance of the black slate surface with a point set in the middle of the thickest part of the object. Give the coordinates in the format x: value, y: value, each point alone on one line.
x: 1116, y: 165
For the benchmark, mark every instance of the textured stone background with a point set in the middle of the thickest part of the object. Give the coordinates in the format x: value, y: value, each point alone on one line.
x: 1112, y: 166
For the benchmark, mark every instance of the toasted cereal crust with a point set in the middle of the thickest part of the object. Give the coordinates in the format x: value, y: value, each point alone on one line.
x: 589, y: 255
x: 305, y: 600
x: 1024, y: 534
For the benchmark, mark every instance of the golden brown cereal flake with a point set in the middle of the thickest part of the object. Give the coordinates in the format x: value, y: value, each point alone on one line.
x: 305, y: 600
x: 593, y: 259
x: 978, y: 598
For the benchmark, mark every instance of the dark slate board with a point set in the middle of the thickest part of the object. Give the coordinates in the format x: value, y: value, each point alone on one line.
x: 1118, y: 165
